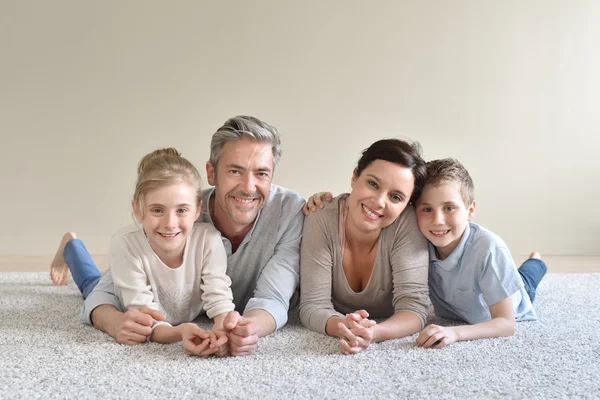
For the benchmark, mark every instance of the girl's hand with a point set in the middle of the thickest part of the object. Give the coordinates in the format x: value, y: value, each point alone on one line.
x: 220, y: 343
x: 196, y: 341
x: 436, y: 336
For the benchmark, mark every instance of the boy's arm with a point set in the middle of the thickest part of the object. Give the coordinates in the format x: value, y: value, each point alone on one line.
x: 502, y: 324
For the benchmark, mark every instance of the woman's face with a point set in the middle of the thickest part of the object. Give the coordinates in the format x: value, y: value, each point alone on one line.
x: 379, y: 195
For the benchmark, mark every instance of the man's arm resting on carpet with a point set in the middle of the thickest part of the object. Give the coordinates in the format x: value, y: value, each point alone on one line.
x: 131, y: 327
x: 263, y: 320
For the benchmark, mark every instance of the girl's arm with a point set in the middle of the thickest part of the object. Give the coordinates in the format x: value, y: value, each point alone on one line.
x: 502, y: 324
x: 165, y: 333
x: 218, y: 322
x: 129, y: 275
x: 215, y: 284
x: 197, y: 341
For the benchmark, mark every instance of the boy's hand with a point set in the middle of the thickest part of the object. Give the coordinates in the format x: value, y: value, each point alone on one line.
x: 436, y: 336
x: 316, y: 201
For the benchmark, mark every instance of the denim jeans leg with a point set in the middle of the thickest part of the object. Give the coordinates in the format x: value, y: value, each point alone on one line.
x: 82, y: 267
x: 532, y: 271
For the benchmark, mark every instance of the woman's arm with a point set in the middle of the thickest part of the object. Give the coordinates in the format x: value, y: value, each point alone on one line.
x: 403, y: 323
x: 410, y: 269
x: 316, y: 264
x: 356, y: 332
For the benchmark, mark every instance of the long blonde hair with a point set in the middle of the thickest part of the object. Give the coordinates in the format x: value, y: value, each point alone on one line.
x: 161, y: 168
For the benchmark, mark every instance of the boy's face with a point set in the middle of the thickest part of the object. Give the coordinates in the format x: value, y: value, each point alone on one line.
x: 443, y: 216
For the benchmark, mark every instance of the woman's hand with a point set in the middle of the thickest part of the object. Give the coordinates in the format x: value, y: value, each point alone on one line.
x: 436, y: 336
x: 356, y: 332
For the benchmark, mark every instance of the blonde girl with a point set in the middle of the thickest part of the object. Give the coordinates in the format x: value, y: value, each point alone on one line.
x: 166, y: 262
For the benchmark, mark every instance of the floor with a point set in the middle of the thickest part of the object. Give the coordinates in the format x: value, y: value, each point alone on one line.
x: 570, y: 264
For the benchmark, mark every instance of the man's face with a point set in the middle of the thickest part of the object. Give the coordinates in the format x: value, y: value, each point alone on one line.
x: 242, y: 179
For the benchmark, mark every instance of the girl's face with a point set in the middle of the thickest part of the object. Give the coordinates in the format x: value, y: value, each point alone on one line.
x: 379, y: 195
x: 168, y: 218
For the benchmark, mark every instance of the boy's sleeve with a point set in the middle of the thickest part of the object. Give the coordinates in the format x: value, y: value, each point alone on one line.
x: 499, y: 277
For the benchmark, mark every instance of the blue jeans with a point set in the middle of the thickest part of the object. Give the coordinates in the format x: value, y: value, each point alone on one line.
x: 532, y: 271
x: 82, y: 267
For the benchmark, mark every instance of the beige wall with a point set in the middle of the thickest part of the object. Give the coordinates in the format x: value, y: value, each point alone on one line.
x: 510, y: 88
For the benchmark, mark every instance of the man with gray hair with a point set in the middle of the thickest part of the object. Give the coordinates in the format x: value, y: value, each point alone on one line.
x: 261, y: 228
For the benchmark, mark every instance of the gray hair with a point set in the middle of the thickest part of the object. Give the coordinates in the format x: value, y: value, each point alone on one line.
x: 241, y: 127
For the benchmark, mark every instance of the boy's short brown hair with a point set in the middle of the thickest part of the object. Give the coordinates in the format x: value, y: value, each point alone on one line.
x: 448, y: 170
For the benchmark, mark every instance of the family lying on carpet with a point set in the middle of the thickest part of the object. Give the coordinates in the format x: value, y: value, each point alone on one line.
x: 400, y: 239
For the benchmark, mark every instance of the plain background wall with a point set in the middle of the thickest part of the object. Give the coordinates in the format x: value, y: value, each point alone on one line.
x: 510, y: 88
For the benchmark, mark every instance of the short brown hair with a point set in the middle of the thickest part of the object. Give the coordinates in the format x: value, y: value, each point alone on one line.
x: 448, y: 170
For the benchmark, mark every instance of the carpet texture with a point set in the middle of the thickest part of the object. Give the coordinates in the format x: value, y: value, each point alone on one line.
x: 46, y: 352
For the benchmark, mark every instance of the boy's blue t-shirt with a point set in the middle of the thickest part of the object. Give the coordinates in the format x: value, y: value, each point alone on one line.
x: 479, y: 273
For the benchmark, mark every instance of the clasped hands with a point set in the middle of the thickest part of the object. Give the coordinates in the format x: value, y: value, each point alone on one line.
x: 356, y: 332
x: 238, y: 337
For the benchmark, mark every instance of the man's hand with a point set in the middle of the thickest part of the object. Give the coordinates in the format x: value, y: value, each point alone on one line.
x: 316, y: 201
x: 436, y: 336
x: 132, y: 327
x: 242, y: 333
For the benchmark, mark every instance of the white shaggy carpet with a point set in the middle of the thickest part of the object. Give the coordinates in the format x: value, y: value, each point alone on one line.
x: 45, y: 352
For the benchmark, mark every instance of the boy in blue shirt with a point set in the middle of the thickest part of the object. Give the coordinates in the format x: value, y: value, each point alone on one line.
x: 472, y: 275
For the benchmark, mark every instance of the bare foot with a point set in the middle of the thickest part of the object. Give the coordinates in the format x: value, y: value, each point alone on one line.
x: 535, y: 254
x: 59, y: 271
